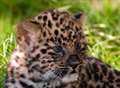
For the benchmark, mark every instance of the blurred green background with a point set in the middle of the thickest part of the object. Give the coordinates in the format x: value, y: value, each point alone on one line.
x: 102, y: 26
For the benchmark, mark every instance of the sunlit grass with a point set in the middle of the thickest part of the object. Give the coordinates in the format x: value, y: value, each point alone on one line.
x: 6, y: 47
x: 7, y: 44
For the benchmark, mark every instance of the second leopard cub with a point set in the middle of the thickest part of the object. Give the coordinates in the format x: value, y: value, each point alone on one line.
x: 44, y: 44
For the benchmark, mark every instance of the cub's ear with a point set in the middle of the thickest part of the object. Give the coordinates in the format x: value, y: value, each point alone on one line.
x: 26, y: 30
x: 21, y: 30
x: 27, y: 27
x: 80, y: 18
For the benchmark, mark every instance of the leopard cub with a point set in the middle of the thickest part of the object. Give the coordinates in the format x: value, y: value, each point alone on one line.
x: 44, y: 45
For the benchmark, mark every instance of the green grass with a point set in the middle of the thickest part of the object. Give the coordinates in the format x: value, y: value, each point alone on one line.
x: 102, y: 27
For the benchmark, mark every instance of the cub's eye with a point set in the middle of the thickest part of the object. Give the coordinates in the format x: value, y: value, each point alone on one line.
x: 80, y: 47
x: 59, y: 50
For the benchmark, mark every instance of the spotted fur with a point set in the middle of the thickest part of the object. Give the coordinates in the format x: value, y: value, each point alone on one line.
x: 43, y: 45
x: 93, y: 73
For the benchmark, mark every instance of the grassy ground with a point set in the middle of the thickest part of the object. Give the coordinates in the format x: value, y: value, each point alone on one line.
x: 102, y: 27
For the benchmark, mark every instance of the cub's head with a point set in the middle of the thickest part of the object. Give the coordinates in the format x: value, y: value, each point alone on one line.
x: 53, y: 27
